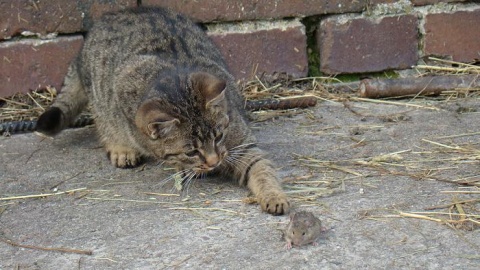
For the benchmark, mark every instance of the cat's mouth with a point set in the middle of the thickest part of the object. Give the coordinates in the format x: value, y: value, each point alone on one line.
x: 205, y: 168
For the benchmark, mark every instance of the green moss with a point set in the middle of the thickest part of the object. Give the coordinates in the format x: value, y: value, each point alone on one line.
x: 311, y: 25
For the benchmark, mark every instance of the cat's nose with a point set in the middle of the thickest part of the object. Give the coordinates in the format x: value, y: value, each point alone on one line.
x: 212, y: 160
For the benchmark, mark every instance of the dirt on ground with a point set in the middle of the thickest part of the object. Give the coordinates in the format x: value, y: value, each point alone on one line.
x: 397, y: 184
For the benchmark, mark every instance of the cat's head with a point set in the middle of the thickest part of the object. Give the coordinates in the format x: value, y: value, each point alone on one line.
x: 188, y: 133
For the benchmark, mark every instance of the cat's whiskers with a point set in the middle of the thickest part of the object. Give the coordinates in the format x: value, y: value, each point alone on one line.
x: 234, y: 162
x: 173, y: 176
x: 242, y: 146
x: 242, y: 153
x: 237, y: 161
x: 187, y: 182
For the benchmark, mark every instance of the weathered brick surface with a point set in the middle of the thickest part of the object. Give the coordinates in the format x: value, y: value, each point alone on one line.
x: 234, y: 10
x: 453, y: 34
x: 415, y: 2
x: 277, y: 47
x: 53, y: 16
x: 361, y: 45
x: 431, y: 2
x: 31, y: 64
x: 376, y: 2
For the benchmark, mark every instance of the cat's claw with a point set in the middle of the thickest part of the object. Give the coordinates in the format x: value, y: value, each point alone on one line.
x: 275, y: 204
x: 123, y: 157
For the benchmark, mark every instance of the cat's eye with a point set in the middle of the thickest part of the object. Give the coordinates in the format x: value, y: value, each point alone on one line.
x: 192, y: 153
x: 219, y: 138
x: 303, y: 233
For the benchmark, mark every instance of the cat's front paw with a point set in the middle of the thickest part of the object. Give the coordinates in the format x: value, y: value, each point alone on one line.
x: 275, y: 203
x: 123, y: 157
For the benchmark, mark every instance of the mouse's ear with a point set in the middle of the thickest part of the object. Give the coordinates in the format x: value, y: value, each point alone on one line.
x: 308, y: 222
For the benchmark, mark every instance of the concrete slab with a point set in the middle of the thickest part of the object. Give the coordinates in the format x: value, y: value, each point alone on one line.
x: 127, y: 228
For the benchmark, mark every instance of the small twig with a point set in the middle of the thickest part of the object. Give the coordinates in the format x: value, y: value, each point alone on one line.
x: 461, y: 191
x: 162, y: 194
x: 35, y: 151
x: 65, y: 250
x: 34, y: 101
x: 395, y: 103
x: 460, y: 210
x: 129, y: 200
x: 207, y: 209
x: 411, y: 215
x: 443, y: 145
x: 63, y: 181
x: 301, y: 102
x: 40, y: 195
x: 456, y: 70
x: 14, y: 102
x: 452, y: 62
x: 450, y: 204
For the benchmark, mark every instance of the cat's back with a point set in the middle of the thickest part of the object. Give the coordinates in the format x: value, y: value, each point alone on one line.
x: 148, y: 31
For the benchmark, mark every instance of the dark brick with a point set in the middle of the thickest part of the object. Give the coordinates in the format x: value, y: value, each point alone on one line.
x: 233, y: 10
x: 279, y: 47
x: 53, y: 16
x: 32, y: 64
x: 453, y: 34
x: 356, y: 45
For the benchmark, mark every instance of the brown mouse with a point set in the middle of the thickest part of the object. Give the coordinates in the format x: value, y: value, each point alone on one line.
x: 304, y: 228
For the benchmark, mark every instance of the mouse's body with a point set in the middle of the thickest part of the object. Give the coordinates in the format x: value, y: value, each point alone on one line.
x: 304, y: 228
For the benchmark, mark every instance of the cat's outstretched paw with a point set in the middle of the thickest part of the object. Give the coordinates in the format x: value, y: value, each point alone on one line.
x: 123, y: 157
x: 275, y: 203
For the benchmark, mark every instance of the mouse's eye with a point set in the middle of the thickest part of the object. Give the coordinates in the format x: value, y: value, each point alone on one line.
x: 303, y: 233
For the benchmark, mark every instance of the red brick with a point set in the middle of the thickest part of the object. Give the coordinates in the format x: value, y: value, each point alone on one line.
x: 268, y: 49
x: 32, y: 64
x: 453, y: 34
x: 356, y: 45
x: 234, y: 10
x: 53, y: 16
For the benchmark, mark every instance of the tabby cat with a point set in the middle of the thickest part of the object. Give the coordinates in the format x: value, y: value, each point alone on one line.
x: 159, y: 88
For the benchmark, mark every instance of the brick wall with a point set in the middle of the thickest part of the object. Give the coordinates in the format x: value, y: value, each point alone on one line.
x: 39, y: 38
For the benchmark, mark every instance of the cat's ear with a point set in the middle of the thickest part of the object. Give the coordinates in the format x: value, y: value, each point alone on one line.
x: 210, y: 87
x: 162, y: 126
x: 154, y: 122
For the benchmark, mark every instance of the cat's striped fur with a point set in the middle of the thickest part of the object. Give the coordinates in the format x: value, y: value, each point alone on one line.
x: 159, y: 88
